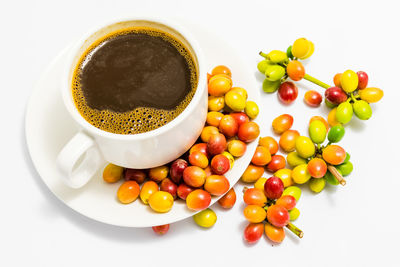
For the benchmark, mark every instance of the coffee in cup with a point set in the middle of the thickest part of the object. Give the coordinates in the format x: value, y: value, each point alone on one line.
x: 134, y: 80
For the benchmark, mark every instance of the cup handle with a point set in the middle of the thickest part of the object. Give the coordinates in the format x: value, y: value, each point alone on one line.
x: 79, y: 160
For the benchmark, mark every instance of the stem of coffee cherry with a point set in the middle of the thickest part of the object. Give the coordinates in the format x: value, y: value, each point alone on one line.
x: 331, y: 168
x: 316, y: 81
x: 294, y: 229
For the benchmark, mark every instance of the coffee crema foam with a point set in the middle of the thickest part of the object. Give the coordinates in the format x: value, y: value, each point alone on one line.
x: 140, y: 119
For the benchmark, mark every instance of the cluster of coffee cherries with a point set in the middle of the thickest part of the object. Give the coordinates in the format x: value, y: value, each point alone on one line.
x: 309, y: 158
x: 278, y: 66
x: 271, y: 202
x: 269, y: 209
x: 314, y: 160
x: 198, y: 175
x: 350, y: 95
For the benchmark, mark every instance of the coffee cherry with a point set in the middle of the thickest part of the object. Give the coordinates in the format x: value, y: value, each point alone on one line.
x: 263, y: 65
x: 248, y: 131
x: 317, y: 185
x: 176, y: 170
x: 335, y: 95
x: 287, y: 92
x: 220, y: 164
x: 277, y: 56
x: 275, y: 234
x: 270, y: 143
x: 206, y: 218
x: 312, y: 98
x: 274, y: 73
x: 219, y: 85
x: 168, y: 186
x: 235, y: 101
x: 221, y: 69
x: 336, y: 80
x: 215, y: 145
x: 362, y: 80
x: 277, y: 162
x: 371, y: 94
x: 362, y: 110
x: 112, y: 173
x: 269, y: 86
x: 128, y: 192
x: 135, y: 175
x: 278, y: 216
x: 295, y: 70
x: 302, y: 48
x: 334, y: 154
x: 344, y: 112
x: 273, y: 187
x: 228, y: 200
x: 317, y: 131
x: 282, y: 123
x: 336, y: 133
x: 349, y: 81
x: 251, y: 109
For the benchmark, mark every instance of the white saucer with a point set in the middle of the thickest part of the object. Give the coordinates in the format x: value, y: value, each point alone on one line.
x: 49, y: 127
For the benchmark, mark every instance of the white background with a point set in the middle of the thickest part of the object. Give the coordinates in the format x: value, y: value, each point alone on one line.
x: 355, y: 225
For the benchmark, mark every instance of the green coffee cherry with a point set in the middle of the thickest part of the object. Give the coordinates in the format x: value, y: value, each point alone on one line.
x: 344, y: 112
x: 317, y: 131
x: 345, y: 168
x: 329, y: 104
x: 277, y: 56
x: 347, y: 157
x: 336, y: 133
x: 274, y: 72
x: 270, y: 87
x: 262, y: 65
x: 317, y: 185
x: 331, y: 179
x: 293, y: 159
x: 362, y: 110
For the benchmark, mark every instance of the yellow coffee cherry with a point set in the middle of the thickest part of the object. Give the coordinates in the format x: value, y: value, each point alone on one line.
x: 305, y: 147
x: 216, y: 103
x: 205, y: 218
x: 371, y: 94
x: 148, y: 188
x: 241, y: 91
x: 259, y: 184
x: 317, y: 185
x: 300, y: 174
x: 277, y: 56
x: 251, y: 109
x: 286, y: 176
x: 161, y: 201
x: 112, y: 173
x: 235, y: 101
x: 349, y: 81
x: 302, y: 48
x: 293, y: 159
x: 332, y: 121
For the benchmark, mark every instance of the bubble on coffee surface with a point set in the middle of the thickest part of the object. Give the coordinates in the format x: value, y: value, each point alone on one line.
x: 140, y: 119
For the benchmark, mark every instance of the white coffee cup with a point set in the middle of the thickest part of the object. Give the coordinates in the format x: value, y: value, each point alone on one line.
x: 91, y: 147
